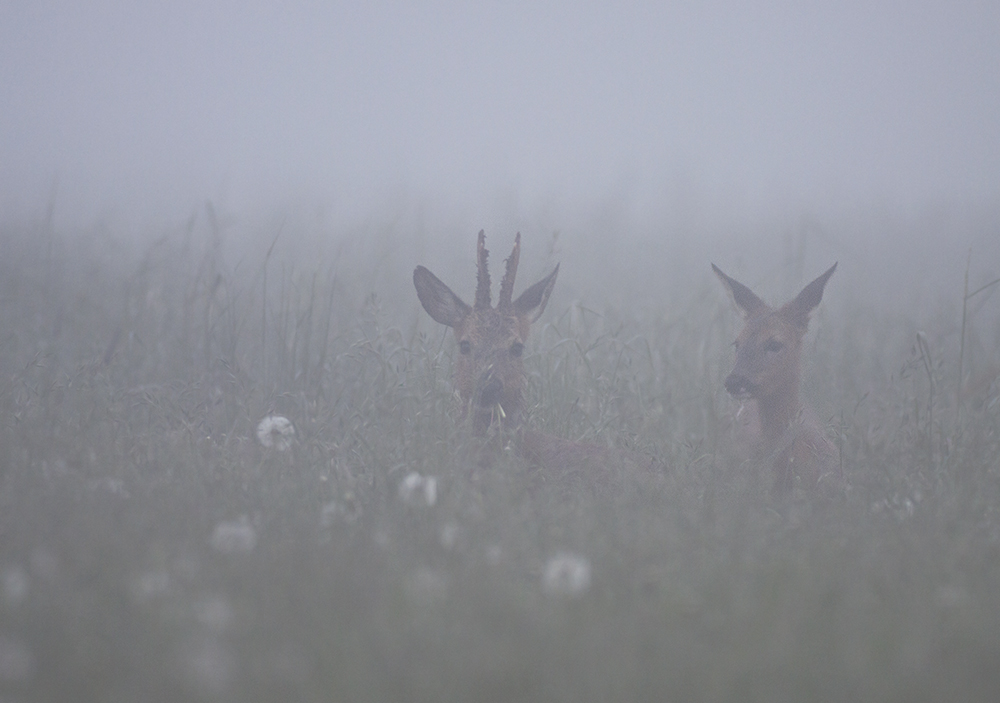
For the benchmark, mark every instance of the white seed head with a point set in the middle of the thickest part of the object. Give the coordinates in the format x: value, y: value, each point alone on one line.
x: 566, y: 575
x: 415, y: 489
x: 276, y: 432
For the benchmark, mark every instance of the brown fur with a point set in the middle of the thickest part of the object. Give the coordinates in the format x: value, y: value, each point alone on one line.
x: 489, y: 372
x: 777, y: 429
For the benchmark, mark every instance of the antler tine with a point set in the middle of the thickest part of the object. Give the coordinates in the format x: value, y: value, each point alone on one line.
x: 507, y: 284
x: 483, y: 274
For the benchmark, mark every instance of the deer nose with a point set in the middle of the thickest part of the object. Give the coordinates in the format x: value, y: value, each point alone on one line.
x: 490, y: 390
x: 737, y: 384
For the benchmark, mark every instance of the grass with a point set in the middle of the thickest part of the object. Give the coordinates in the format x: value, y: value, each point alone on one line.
x: 133, y: 379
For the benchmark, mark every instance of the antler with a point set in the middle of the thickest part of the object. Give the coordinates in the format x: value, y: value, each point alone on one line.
x: 483, y: 275
x: 507, y: 284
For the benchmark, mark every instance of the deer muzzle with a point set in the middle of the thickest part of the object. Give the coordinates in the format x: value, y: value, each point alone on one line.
x: 490, y: 390
x: 739, y: 385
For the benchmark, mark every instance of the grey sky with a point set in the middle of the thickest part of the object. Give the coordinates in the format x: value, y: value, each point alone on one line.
x: 753, y: 105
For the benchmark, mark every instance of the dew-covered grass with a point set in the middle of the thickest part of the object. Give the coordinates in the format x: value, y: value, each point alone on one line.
x: 152, y: 548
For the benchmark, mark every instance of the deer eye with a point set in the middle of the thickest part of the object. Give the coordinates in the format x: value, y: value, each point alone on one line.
x: 465, y: 346
x: 773, y: 345
x: 516, y: 349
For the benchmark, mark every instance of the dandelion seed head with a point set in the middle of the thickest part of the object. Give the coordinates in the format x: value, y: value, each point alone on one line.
x: 276, y: 432
x: 566, y: 575
x: 415, y: 489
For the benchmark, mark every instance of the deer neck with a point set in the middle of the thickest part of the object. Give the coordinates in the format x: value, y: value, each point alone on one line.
x: 778, y: 409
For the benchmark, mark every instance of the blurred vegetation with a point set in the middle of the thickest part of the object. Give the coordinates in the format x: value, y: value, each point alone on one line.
x: 134, y: 373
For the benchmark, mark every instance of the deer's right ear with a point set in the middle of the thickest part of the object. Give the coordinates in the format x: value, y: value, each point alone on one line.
x: 808, y: 298
x: 438, y: 299
x: 531, y: 303
x: 745, y: 299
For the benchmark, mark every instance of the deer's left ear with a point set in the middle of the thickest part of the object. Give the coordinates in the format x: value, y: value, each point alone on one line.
x: 806, y: 301
x: 438, y: 299
x: 746, y: 300
x: 531, y: 303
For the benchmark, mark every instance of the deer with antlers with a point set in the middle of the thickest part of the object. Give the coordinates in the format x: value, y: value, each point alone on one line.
x: 781, y: 433
x: 489, y: 372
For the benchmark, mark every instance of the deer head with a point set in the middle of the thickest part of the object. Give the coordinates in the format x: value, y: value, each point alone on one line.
x: 489, y: 372
x: 768, y: 348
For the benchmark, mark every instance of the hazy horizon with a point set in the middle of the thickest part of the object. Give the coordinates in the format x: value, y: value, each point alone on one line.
x: 726, y: 111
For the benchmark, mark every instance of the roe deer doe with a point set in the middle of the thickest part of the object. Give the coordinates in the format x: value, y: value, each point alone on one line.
x: 489, y: 371
x: 783, y: 434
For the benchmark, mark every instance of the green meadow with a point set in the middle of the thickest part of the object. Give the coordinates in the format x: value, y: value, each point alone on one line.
x: 152, y: 548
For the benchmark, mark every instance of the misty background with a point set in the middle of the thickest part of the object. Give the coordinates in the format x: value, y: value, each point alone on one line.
x: 743, y: 133
x: 210, y: 215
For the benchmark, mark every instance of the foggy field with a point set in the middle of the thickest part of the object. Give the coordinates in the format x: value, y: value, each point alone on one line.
x: 152, y: 549
x: 232, y: 462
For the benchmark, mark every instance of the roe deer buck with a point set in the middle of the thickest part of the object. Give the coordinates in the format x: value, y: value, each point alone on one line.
x: 489, y: 372
x: 783, y: 433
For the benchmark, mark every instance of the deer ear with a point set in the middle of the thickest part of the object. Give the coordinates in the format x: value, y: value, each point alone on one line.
x: 745, y: 299
x: 806, y: 301
x: 438, y: 299
x: 531, y: 303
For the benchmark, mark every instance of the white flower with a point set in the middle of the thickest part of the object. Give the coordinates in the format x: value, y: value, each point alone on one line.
x: 416, y: 489
x: 277, y: 432
x: 566, y: 575
x: 234, y: 536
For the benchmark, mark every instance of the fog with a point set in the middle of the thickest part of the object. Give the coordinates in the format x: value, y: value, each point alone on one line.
x: 745, y: 110
x: 235, y: 464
